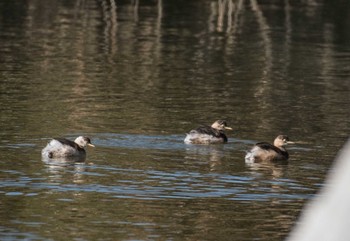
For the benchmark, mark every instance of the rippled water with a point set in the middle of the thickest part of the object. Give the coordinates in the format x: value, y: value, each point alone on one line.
x: 150, y: 187
x: 135, y: 76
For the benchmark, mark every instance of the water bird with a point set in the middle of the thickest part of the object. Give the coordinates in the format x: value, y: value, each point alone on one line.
x: 266, y: 152
x: 61, y: 147
x: 208, y: 134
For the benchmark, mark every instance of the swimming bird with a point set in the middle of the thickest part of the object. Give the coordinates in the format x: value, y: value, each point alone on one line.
x: 208, y: 134
x: 265, y: 152
x: 61, y: 147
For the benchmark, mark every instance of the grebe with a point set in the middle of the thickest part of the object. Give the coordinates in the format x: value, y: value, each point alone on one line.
x: 61, y: 147
x: 265, y: 152
x: 208, y: 134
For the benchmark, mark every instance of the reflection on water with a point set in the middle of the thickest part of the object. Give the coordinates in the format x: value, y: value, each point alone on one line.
x: 272, y: 169
x: 135, y: 76
x: 57, y: 172
x: 139, y: 141
x: 212, y: 154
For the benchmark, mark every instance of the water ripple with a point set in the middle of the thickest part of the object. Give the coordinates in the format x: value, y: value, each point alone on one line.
x: 153, y: 184
x: 161, y: 142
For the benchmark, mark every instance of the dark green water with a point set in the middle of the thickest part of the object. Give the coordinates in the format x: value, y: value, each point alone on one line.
x: 135, y: 76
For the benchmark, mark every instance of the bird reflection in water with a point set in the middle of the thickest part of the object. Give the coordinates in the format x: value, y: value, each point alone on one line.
x: 63, y: 169
x: 276, y: 170
x: 211, y: 154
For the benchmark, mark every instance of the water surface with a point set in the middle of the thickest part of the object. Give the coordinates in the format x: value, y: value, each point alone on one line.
x: 135, y: 76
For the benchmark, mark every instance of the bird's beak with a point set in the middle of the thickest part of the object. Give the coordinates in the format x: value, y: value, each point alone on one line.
x: 89, y: 144
x: 228, y: 128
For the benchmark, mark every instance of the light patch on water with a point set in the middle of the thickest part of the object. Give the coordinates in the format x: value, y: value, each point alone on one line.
x: 161, y: 142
